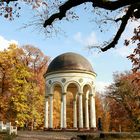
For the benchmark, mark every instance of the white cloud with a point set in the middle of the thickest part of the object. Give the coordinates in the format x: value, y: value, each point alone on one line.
x: 124, y: 51
x: 86, y: 40
x: 121, y: 49
x: 4, y: 43
x: 101, y: 86
x: 130, y: 29
x: 78, y: 37
x: 91, y: 39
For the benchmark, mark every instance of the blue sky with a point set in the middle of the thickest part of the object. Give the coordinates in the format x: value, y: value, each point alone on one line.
x: 74, y: 37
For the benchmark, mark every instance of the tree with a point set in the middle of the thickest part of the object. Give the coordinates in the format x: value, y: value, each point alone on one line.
x: 135, y: 57
x: 22, y: 95
x: 58, y: 9
x: 5, y: 82
x: 14, y: 84
x: 102, y: 112
x: 124, y: 94
x: 119, y: 118
x: 37, y: 62
x: 132, y: 10
x: 10, y: 9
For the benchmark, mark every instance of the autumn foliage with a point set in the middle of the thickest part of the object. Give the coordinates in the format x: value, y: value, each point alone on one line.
x: 135, y: 56
x: 22, y: 85
x: 22, y: 94
x: 124, y: 102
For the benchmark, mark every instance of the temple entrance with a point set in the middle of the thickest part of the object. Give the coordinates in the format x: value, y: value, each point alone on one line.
x: 56, y: 105
x: 71, y: 109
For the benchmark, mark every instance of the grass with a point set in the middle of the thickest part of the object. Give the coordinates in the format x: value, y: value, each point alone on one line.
x: 5, y: 136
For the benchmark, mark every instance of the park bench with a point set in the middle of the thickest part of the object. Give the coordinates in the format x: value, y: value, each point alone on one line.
x: 8, y: 128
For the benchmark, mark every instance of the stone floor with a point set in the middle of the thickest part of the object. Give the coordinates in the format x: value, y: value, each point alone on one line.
x: 45, y: 135
x: 71, y: 135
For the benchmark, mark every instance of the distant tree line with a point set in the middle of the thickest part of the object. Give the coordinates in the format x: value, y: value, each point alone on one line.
x: 119, y: 107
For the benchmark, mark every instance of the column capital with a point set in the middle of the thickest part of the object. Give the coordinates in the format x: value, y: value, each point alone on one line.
x: 64, y: 93
x: 80, y: 93
x: 50, y: 94
x: 75, y: 97
x: 93, y: 87
x: 91, y: 95
x: 46, y: 96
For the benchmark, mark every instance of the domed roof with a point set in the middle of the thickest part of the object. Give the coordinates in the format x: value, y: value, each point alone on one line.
x: 69, y: 61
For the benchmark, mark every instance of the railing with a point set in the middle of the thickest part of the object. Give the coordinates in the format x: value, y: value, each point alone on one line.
x: 8, y: 128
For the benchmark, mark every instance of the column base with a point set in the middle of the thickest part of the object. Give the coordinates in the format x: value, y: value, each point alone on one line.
x: 50, y: 129
x: 64, y: 129
x: 94, y: 129
x: 81, y: 129
x: 87, y: 128
x: 45, y: 129
x: 74, y: 128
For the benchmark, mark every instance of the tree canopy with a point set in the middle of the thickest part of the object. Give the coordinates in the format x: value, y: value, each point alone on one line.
x: 124, y: 100
x: 118, y: 107
x: 22, y: 85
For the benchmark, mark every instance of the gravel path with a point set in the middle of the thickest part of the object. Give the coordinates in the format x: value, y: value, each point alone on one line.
x: 44, y: 135
x: 68, y: 135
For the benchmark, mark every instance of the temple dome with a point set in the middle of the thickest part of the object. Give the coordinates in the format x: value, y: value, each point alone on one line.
x: 69, y: 61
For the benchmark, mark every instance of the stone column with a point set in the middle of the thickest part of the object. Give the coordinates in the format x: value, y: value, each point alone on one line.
x: 80, y: 111
x: 92, y: 112
x: 51, y: 112
x: 74, y: 113
x: 86, y: 113
x: 46, y: 112
x: 64, y: 111
x: 61, y: 117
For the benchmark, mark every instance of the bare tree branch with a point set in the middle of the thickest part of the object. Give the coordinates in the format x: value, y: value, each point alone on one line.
x: 108, y: 5
x: 120, y: 30
x: 62, y: 10
x: 113, y: 5
x: 7, y: 1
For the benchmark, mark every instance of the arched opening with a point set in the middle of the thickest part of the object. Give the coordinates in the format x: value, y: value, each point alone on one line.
x: 86, y: 106
x: 71, y: 98
x: 57, y: 90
